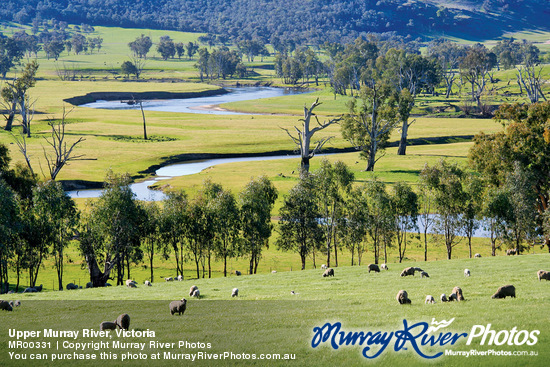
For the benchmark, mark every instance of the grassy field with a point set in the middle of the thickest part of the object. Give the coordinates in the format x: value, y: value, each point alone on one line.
x: 267, y: 318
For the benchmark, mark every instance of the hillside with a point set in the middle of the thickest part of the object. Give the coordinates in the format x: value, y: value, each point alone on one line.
x: 303, y: 21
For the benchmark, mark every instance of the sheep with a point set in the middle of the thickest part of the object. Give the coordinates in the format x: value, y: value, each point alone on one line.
x: 169, y: 279
x: 131, y: 283
x: 107, y: 325
x: 179, y: 278
x: 505, y: 291
x: 511, y: 251
x: 374, y: 267
x: 402, y: 297
x: 466, y: 272
x: 235, y: 292
x: 14, y: 304
x: 237, y: 273
x: 5, y: 305
x: 324, y: 267
x: 192, y: 290
x: 477, y: 255
x: 453, y: 297
x: 89, y: 285
x: 443, y: 298
x: 418, y: 269
x: 541, y: 274
x: 329, y: 272
x: 384, y: 267
x: 196, y: 294
x: 429, y: 299
x: 71, y: 286
x: 273, y: 271
x: 148, y: 283
x: 407, y: 271
x: 39, y: 288
x: 30, y: 290
x: 423, y: 274
x: 458, y: 292
x: 178, y: 306
x: 123, y: 321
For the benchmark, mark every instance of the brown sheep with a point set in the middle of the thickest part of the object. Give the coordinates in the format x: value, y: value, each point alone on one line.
x: 458, y: 292
x: 123, y: 321
x: 541, y: 274
x: 329, y: 272
x: 505, y: 291
x: 408, y: 271
x: 107, y: 325
x: 402, y: 297
x: 178, y: 306
x: 374, y: 267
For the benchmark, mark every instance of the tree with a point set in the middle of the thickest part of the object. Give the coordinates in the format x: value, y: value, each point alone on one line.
x: 191, y: 49
x: 473, y: 191
x: 475, y: 68
x: 380, y: 216
x: 15, y: 93
x: 152, y: 241
x: 369, y: 124
x: 79, y: 43
x: 299, y: 226
x: 180, y: 49
x: 305, y: 134
x: 529, y: 74
x: 128, y: 68
x: 404, y: 207
x: 113, y: 231
x: 445, y: 179
x: 166, y: 47
x: 61, y: 153
x: 354, y: 223
x: 9, y: 228
x: 174, y: 225
x: 54, y: 48
x: 11, y: 51
x: 332, y: 183
x: 256, y: 202
x: 426, y: 217
x: 448, y: 54
x: 495, y: 209
x: 140, y: 46
x: 54, y: 206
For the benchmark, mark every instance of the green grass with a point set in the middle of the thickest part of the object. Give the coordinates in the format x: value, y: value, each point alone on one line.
x: 266, y: 318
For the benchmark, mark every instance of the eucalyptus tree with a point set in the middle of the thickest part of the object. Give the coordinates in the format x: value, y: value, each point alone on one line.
x: 299, y: 226
x: 495, y: 210
x: 152, y: 242
x: 445, y: 179
x: 55, y: 207
x: 380, y: 216
x: 473, y: 191
x: 174, y: 224
x: 354, y: 222
x: 448, y: 55
x: 426, y: 206
x: 333, y: 182
x: 9, y: 228
x: 404, y: 209
x: 256, y: 202
x: 475, y: 68
x: 529, y: 72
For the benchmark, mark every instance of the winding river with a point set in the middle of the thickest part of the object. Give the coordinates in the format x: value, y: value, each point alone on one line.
x: 204, y: 105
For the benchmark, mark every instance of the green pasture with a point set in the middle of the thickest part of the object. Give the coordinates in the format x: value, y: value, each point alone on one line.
x: 267, y: 318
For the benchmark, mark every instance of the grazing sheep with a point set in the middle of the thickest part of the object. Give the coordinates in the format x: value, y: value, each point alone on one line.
x: 39, y: 288
x: 477, y: 255
x: 402, y: 297
x: 407, y: 271
x: 466, y: 272
x: 169, y: 279
x: 17, y: 303
x: 384, y: 267
x: 505, y: 291
x: 5, y: 305
x: 273, y: 271
x: 196, y: 294
x: 324, y: 267
x: 443, y: 298
x: 374, y: 267
x: 148, y: 283
x: 458, y: 292
x: 131, y: 283
x: 418, y: 269
x: 192, y: 290
x: 71, y: 286
x: 429, y: 299
x: 30, y: 290
x: 89, y: 285
x: 123, y: 321
x: 107, y: 325
x: 423, y: 274
x: 235, y: 292
x: 511, y: 252
x: 541, y: 274
x: 237, y: 273
x: 293, y: 293
x: 329, y: 272
x: 179, y: 278
x: 178, y: 306
x: 452, y: 297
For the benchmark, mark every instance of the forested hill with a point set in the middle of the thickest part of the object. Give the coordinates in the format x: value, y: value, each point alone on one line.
x: 316, y: 21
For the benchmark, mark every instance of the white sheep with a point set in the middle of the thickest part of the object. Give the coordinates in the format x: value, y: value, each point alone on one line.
x: 429, y: 299
x: 179, y: 278
x: 443, y: 298
x: 384, y: 267
x: 196, y: 294
x: 235, y: 292
x: 324, y: 266
x: 131, y: 283
x: 169, y: 279
x: 466, y: 272
x: 192, y: 290
x: 148, y: 283
x: 273, y: 271
x: 477, y: 255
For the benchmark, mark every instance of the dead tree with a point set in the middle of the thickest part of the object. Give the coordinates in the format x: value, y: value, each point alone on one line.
x: 304, y: 136
x: 62, y: 153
